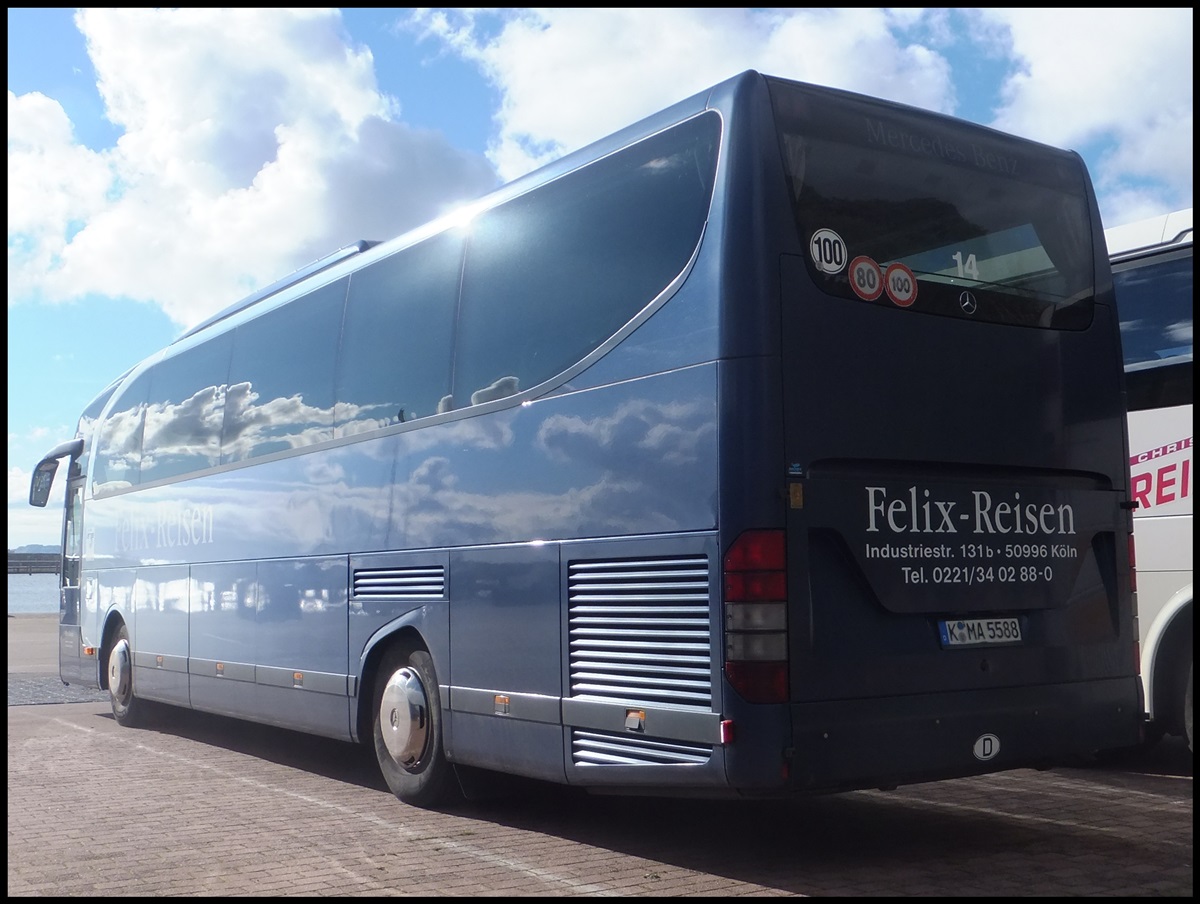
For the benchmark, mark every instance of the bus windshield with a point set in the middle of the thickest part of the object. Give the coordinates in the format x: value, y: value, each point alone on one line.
x: 1156, y: 310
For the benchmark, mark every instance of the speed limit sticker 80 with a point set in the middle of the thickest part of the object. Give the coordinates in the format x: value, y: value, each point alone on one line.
x: 866, y: 279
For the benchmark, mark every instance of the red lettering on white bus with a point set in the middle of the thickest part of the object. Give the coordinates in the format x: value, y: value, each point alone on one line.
x: 1167, y: 449
x: 1163, y: 485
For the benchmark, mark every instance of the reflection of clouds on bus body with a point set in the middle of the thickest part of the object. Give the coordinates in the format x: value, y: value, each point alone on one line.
x: 286, y: 422
x: 229, y: 424
x: 351, y: 419
x: 321, y: 471
x: 190, y: 428
x: 656, y: 433
x: 123, y: 438
x: 493, y: 431
x: 566, y: 487
x: 500, y: 389
x: 651, y: 440
x: 215, y: 424
x: 1180, y: 332
x: 438, y: 485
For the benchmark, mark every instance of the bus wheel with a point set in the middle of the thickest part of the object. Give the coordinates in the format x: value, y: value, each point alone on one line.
x: 127, y: 709
x: 408, y: 729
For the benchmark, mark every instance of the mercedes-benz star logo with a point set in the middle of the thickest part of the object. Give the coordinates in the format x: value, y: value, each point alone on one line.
x: 967, y: 302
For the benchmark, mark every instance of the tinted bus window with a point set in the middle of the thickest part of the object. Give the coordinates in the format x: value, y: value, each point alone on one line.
x: 87, y: 425
x: 119, y: 447
x: 885, y: 195
x: 1154, y: 297
x: 280, y: 393
x: 1155, y: 300
x: 394, y: 366
x: 552, y: 274
x: 184, y: 412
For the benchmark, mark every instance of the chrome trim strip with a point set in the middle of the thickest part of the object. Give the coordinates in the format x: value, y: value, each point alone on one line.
x: 701, y: 728
x: 300, y: 679
x: 230, y: 671
x: 525, y: 707
x: 168, y: 664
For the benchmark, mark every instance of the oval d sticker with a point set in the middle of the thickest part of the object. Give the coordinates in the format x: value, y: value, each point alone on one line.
x: 986, y: 747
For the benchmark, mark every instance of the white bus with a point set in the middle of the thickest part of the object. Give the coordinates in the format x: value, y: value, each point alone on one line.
x: 1152, y: 275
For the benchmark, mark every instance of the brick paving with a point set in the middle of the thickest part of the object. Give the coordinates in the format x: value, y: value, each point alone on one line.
x: 200, y: 805
x: 37, y: 690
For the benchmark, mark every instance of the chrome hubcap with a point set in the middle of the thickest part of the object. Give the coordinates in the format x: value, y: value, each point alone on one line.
x: 404, y: 718
x: 120, y: 671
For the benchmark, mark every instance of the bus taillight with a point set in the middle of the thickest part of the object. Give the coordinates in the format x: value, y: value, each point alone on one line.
x: 755, y: 597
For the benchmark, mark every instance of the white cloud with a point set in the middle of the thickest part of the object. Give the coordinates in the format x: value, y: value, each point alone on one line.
x: 251, y: 140
x: 1113, y: 75
x: 570, y: 76
x: 254, y: 141
x: 1118, y: 81
x: 18, y: 484
x: 27, y: 524
x: 54, y: 187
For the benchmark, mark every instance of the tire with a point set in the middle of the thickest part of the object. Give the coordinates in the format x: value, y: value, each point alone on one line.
x: 127, y: 708
x: 407, y: 729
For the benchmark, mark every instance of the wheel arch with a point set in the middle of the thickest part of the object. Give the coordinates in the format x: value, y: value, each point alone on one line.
x: 403, y: 633
x: 1168, y: 650
x: 112, y: 624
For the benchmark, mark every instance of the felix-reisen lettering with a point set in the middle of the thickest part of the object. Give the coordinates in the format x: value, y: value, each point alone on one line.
x: 919, y: 512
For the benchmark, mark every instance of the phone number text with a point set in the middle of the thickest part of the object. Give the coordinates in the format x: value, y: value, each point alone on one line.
x: 977, y: 574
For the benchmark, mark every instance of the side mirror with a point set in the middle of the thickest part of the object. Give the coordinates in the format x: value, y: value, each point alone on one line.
x: 43, y: 474
x: 43, y: 479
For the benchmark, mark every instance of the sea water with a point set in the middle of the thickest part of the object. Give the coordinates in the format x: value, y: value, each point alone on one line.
x: 32, y: 593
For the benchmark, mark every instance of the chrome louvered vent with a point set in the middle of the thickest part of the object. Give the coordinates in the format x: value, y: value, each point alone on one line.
x: 600, y: 748
x: 639, y: 631
x: 417, y: 582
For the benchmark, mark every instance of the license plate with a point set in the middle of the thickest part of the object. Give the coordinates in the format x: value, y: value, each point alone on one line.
x: 979, y: 632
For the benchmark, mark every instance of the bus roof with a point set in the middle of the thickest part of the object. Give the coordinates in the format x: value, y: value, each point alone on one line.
x: 1173, y: 228
x: 303, y: 273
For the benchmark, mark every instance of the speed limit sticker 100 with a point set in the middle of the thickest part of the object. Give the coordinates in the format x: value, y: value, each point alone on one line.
x: 828, y: 251
x: 901, y: 284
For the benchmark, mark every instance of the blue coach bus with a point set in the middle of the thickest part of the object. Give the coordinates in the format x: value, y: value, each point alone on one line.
x: 773, y: 445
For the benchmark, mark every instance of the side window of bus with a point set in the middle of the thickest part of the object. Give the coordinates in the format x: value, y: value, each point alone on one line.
x: 185, y: 409
x: 119, y: 446
x: 280, y: 392
x: 552, y: 274
x: 88, y: 422
x: 1154, y: 301
x: 397, y: 338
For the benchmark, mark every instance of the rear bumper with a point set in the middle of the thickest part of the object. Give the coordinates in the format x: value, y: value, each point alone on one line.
x: 892, y: 741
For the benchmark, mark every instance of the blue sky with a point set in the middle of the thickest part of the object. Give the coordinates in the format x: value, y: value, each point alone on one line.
x: 164, y: 163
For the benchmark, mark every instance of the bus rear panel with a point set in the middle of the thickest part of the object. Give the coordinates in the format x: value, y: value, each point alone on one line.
x: 958, y: 577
